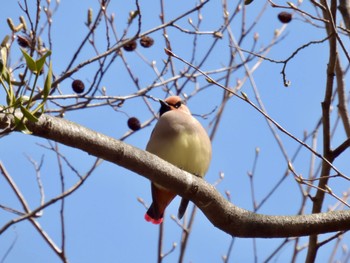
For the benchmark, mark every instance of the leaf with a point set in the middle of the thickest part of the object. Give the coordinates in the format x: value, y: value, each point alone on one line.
x: 10, y: 98
x: 31, y: 64
x: 3, y: 59
x: 48, y: 82
x: 28, y: 114
x: 39, y: 110
x: 41, y: 61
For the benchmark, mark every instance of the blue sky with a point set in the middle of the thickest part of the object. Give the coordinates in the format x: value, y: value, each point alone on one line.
x: 104, y: 220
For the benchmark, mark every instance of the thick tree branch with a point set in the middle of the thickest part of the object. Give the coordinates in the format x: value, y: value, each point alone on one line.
x: 223, y: 214
x: 318, y: 200
x: 344, y: 8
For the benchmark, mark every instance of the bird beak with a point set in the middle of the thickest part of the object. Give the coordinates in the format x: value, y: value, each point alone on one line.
x: 164, y: 107
x: 163, y: 103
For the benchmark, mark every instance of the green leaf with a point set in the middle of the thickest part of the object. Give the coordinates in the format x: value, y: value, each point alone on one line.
x: 48, y: 82
x: 31, y: 64
x: 10, y: 95
x: 28, y: 114
x: 41, y: 61
x: 3, y: 61
x: 10, y: 98
x: 6, y: 76
x: 39, y: 108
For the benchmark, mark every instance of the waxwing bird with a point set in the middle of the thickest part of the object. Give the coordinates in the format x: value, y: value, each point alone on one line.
x: 179, y: 139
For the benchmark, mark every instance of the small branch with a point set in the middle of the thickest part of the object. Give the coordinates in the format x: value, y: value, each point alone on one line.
x: 26, y: 208
x: 342, y: 97
x: 12, y: 245
x: 318, y: 199
x: 33, y: 212
x: 284, y: 62
x: 37, y: 168
x: 160, y: 243
x: 341, y: 148
x: 344, y: 8
x: 70, y: 72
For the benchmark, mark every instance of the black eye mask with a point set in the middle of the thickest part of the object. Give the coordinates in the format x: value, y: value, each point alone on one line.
x: 165, y: 106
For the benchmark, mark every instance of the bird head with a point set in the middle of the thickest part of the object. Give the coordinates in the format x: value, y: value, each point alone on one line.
x: 172, y: 103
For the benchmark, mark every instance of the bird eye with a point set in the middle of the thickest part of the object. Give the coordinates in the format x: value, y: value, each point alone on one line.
x: 178, y: 105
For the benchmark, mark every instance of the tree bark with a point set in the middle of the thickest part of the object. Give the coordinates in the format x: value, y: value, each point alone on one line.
x: 220, y: 212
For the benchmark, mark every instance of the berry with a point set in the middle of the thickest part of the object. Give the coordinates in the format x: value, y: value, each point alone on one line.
x: 146, y: 41
x: 134, y: 123
x: 78, y: 86
x: 131, y: 46
x: 285, y: 17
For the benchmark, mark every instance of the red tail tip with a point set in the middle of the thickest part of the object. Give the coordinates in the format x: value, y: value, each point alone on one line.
x: 152, y: 220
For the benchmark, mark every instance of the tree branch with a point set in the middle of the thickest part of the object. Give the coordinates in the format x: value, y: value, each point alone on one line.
x: 221, y: 213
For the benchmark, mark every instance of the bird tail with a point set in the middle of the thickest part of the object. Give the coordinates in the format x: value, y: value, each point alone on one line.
x: 161, y: 199
x: 153, y: 216
x: 182, y: 208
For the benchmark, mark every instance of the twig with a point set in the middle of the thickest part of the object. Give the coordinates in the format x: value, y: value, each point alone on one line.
x: 246, y: 99
x: 33, y: 212
x: 12, y: 245
x: 37, y: 168
x: 284, y: 62
x: 29, y: 213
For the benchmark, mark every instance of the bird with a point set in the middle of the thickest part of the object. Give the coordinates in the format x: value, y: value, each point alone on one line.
x: 181, y: 140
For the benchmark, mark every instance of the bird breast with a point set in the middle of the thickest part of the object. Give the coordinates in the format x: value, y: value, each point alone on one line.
x: 181, y: 140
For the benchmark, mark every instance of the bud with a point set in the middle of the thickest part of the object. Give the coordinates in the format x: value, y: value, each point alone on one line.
x: 132, y: 16
x: 12, y: 25
x: 104, y: 90
x: 112, y: 17
x: 23, y: 22
x: 226, y: 14
x: 89, y: 17
x: 39, y: 43
x: 291, y: 5
x: 217, y: 34
x: 245, y: 96
x: 328, y: 189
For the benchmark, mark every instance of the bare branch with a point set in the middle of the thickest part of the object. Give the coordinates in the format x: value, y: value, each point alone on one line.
x: 223, y: 214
